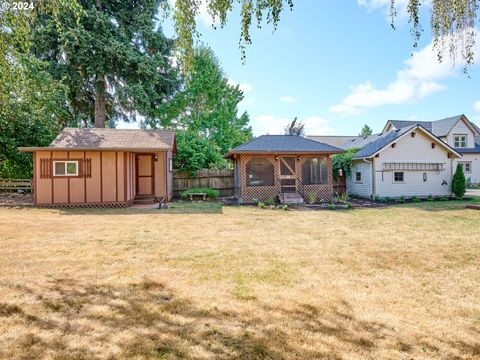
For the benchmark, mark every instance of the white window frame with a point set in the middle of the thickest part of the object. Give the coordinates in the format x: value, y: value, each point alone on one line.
x: 358, y: 181
x: 65, y: 167
x: 460, y: 138
x: 403, y: 177
x: 464, y: 166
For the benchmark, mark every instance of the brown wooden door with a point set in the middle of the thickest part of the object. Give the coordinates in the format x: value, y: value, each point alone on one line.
x: 288, y: 183
x: 145, y: 174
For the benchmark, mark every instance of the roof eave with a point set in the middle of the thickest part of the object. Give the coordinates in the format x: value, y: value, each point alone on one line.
x: 51, y: 148
x: 277, y: 152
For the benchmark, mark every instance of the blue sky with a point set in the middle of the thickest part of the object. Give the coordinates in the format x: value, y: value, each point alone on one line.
x: 337, y: 65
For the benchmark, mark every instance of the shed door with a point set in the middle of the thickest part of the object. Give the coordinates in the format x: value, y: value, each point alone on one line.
x: 287, y: 175
x: 145, y: 174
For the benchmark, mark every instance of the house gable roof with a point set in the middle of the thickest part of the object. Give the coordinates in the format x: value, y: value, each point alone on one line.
x: 283, y: 144
x: 439, y: 128
x: 332, y: 140
x: 383, y: 140
x: 111, y: 139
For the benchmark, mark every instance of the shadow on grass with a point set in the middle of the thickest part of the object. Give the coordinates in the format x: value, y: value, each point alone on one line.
x: 442, y: 205
x: 147, y: 320
x: 173, y: 208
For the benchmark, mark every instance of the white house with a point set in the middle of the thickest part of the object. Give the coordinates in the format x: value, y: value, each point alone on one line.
x: 411, y: 158
x: 458, y: 132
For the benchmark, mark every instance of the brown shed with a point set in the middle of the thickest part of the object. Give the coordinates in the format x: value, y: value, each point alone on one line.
x: 104, y: 167
x: 285, y: 166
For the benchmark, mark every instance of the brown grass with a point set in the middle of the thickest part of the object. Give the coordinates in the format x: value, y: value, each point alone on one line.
x: 393, y: 283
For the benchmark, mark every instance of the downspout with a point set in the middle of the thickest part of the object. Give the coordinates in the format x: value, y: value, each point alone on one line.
x: 371, y: 176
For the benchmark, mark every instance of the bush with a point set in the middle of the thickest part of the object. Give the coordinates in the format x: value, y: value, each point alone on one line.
x: 415, y: 199
x: 430, y: 197
x: 211, y: 193
x: 312, y: 197
x: 285, y: 207
x: 261, y: 205
x: 459, y: 182
x: 271, y: 201
x: 401, y: 199
x: 331, y: 206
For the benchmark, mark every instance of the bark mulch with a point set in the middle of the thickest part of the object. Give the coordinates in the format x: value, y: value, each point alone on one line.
x: 14, y: 200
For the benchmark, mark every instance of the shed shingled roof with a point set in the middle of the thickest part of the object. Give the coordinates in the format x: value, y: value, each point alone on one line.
x: 111, y: 139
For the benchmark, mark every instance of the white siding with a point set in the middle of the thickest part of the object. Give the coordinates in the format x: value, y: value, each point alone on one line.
x: 461, y: 128
x: 416, y: 149
x: 364, y: 187
x: 475, y: 167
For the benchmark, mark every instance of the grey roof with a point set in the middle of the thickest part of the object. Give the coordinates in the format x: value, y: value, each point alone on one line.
x: 378, y: 142
x: 333, y: 140
x: 439, y: 128
x: 284, y: 144
x: 474, y: 150
x: 111, y: 139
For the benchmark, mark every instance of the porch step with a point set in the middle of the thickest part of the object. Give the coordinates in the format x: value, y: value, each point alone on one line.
x: 144, y: 200
x: 292, y: 198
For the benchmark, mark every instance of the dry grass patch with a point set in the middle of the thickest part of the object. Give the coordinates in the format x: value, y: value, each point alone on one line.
x: 393, y: 283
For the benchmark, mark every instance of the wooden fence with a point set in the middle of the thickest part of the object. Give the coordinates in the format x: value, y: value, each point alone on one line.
x: 221, y: 180
x: 16, y: 184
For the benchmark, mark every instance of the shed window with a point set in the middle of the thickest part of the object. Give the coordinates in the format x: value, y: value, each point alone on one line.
x: 358, y: 176
x: 398, y: 176
x: 460, y: 141
x: 314, y: 171
x: 65, y: 168
x: 260, y: 172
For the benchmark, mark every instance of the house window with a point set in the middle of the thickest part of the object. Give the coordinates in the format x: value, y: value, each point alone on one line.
x: 260, y: 172
x: 358, y: 177
x: 460, y: 141
x: 398, y: 176
x: 314, y: 171
x: 466, y: 167
x: 65, y: 168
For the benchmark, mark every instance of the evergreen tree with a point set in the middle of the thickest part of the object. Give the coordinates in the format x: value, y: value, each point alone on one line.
x: 366, y: 131
x: 295, y: 127
x: 113, y: 57
x: 459, y: 182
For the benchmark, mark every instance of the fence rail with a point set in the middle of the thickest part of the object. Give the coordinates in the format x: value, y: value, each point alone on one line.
x: 221, y: 180
x: 15, y: 184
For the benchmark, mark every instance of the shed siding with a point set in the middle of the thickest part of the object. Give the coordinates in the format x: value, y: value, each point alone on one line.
x: 43, y: 190
x: 364, y: 187
x: 416, y: 149
x: 93, y: 183
x: 77, y: 186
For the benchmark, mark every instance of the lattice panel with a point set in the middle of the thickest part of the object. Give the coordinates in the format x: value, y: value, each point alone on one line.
x: 323, y: 191
x: 123, y: 204
x: 250, y: 193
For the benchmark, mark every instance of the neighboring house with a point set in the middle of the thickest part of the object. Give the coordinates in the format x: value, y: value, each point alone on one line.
x: 458, y: 132
x: 404, y: 161
x: 288, y: 166
x: 104, y: 167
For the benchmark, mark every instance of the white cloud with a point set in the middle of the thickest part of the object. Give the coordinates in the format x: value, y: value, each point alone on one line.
x: 420, y: 78
x: 476, y: 106
x: 372, y: 5
x: 244, y: 86
x: 270, y: 124
x: 288, y: 99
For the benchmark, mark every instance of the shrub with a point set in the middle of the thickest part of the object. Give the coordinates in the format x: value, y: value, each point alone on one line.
x: 331, y: 206
x: 261, y: 205
x: 271, y: 201
x: 444, y: 198
x: 211, y: 193
x: 415, y: 199
x: 376, y: 197
x: 458, y: 182
x: 272, y: 207
x: 430, y: 197
x: 312, y: 197
x: 401, y: 199
x: 285, y: 207
x: 387, y: 199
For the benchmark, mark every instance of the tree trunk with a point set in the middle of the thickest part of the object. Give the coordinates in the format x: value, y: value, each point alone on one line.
x: 100, y: 101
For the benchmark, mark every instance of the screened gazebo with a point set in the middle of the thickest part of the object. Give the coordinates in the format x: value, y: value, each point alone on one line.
x: 286, y: 167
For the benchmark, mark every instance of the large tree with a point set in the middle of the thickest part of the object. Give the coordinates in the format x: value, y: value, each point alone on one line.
x: 295, y: 127
x: 205, y: 115
x: 113, y: 56
x: 32, y: 112
x: 366, y: 131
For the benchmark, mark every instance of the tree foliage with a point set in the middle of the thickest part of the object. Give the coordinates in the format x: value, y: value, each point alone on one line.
x: 366, y: 131
x: 295, y: 127
x: 343, y: 162
x: 114, y: 58
x: 204, y: 114
x: 31, y: 114
x: 453, y: 25
x: 459, y: 182
x: 185, y: 13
